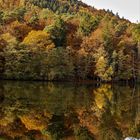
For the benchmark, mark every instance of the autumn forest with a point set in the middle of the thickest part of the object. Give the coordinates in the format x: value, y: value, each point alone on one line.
x: 56, y: 40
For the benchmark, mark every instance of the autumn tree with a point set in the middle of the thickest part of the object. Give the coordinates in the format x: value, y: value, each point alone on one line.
x: 27, y: 59
x: 10, y: 56
x: 55, y: 40
x: 84, y: 65
x: 19, y: 30
x: 38, y: 41
x: 103, y: 70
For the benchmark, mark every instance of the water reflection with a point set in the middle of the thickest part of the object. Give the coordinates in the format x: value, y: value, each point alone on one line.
x: 52, y: 111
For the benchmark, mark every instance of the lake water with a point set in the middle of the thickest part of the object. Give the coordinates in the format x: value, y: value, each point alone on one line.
x: 58, y: 111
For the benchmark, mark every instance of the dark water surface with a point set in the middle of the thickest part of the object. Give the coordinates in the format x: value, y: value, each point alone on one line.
x: 58, y: 111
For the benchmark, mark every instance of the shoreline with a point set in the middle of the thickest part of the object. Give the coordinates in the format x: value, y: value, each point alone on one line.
x: 126, y: 82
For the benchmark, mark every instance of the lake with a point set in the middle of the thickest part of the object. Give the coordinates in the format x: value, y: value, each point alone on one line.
x: 68, y: 111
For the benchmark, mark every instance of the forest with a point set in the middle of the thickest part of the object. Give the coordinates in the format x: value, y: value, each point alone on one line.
x: 66, y: 40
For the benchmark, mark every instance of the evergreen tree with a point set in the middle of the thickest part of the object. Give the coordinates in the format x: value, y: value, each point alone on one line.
x: 57, y: 31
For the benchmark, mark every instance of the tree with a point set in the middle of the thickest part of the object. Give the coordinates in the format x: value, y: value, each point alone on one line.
x: 136, y: 36
x: 3, y: 44
x: 120, y: 29
x: 27, y: 59
x: 103, y: 70
x: 57, y: 31
x: 34, y: 20
x: 114, y: 63
x: 47, y: 14
x: 59, y: 64
x: 136, y: 32
x: 38, y: 41
x: 10, y: 56
x: 56, y: 5
x: 7, y: 17
x: 88, y: 23
x: 83, y: 65
x: 19, y: 13
x: 124, y: 66
x: 19, y: 30
x: 1, y: 17
x: 107, y: 39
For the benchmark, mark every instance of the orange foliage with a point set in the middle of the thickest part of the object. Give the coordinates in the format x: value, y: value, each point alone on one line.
x: 19, y: 30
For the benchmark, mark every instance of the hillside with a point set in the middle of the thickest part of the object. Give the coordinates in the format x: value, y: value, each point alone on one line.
x: 66, y: 40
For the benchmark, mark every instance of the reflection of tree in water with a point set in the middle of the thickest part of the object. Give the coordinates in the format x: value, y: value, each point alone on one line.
x: 57, y: 128
x: 35, y: 105
x: 118, y: 119
x: 127, y: 109
x: 108, y: 127
x: 40, y: 111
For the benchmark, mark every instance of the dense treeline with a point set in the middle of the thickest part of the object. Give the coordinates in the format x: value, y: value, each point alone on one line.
x: 66, y: 40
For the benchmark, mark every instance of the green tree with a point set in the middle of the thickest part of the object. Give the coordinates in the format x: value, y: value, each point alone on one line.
x: 57, y: 31
x: 83, y: 63
x: 59, y: 64
x: 107, y: 37
x: 124, y: 66
x: 7, y: 17
x: 136, y: 32
x: 3, y: 44
x: 19, y: 13
x: 88, y: 23
x: 34, y: 20
x: 136, y: 36
x: 1, y: 17
x: 120, y: 29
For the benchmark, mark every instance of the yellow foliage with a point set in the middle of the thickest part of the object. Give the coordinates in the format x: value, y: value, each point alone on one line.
x: 10, y: 4
x: 19, y: 30
x: 8, y: 119
x: 10, y: 40
x: 31, y: 122
x: 8, y: 37
x: 39, y: 40
x: 101, y: 94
